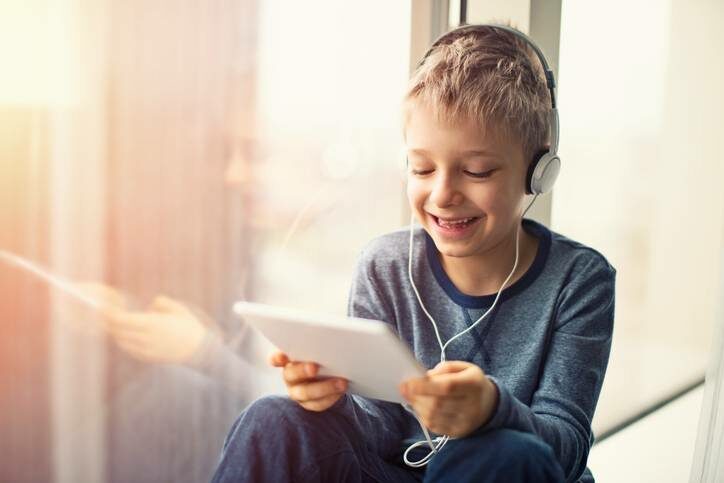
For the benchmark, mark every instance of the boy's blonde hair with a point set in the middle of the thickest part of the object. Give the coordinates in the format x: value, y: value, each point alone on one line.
x: 489, y: 76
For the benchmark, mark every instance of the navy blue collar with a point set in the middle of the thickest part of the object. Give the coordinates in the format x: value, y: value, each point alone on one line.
x: 539, y: 231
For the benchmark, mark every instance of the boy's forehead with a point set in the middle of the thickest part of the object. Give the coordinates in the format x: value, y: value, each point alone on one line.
x: 425, y: 133
x: 462, y: 152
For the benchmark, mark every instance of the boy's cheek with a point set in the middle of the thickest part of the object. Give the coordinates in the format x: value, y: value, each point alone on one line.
x: 413, y: 206
x: 413, y: 191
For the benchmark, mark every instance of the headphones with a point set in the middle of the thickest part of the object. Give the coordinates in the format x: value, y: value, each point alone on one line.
x: 543, y: 169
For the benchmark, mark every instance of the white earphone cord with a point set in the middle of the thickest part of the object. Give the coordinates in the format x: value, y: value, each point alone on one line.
x: 440, y: 441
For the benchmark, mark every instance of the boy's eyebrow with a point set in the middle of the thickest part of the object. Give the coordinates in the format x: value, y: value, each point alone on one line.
x: 469, y: 153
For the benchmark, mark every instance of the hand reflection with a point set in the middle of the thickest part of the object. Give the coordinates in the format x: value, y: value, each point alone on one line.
x: 166, y: 332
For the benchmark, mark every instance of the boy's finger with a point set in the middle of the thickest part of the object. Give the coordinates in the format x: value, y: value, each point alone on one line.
x: 321, y: 404
x: 310, y: 391
x: 448, y: 367
x: 278, y: 359
x: 295, y: 372
x: 441, y: 385
x: 433, y: 407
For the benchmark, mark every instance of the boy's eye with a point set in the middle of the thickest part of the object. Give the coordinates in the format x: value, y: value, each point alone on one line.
x: 483, y: 174
x: 420, y: 172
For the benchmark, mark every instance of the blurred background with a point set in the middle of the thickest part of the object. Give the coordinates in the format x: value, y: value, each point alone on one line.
x: 170, y: 158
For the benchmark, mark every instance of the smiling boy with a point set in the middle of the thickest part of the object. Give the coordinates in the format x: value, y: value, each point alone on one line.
x: 514, y: 321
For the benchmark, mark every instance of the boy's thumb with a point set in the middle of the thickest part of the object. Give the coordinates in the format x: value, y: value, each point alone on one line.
x: 448, y: 367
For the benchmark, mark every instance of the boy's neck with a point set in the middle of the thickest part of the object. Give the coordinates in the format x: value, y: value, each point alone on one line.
x: 484, y: 274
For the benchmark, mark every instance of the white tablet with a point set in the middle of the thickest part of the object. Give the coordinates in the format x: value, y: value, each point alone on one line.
x: 365, y: 352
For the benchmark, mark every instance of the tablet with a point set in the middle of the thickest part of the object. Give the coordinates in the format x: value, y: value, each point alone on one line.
x: 365, y: 352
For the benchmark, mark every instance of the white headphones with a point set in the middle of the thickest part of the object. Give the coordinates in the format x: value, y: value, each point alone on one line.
x: 543, y: 169
x: 541, y: 176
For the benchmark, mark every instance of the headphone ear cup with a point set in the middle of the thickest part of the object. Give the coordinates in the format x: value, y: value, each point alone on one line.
x: 529, y: 175
x: 542, y: 173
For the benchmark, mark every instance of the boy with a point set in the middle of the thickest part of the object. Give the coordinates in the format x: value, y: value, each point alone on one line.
x: 516, y: 357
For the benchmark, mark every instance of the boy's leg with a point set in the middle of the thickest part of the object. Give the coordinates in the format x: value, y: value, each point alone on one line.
x: 502, y: 455
x: 276, y: 440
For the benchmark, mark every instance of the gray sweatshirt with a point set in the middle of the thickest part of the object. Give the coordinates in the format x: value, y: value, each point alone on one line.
x: 545, y: 345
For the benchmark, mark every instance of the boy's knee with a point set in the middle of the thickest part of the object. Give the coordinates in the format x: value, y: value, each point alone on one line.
x: 262, y: 413
x: 520, y: 447
x: 499, y: 455
x: 285, y: 416
x: 272, y: 408
x: 526, y: 456
x: 507, y: 444
x: 279, y: 425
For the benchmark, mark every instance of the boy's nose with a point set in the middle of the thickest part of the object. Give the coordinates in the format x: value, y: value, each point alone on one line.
x: 445, y: 193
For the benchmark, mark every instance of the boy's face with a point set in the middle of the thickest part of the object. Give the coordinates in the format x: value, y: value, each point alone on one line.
x: 466, y: 189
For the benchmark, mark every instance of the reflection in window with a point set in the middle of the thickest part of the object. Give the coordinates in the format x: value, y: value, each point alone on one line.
x: 329, y: 126
x: 182, y: 159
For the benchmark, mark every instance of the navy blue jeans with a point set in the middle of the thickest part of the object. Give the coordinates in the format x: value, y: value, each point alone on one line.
x: 276, y: 440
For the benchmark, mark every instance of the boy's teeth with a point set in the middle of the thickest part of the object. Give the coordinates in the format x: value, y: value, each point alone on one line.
x: 456, y: 222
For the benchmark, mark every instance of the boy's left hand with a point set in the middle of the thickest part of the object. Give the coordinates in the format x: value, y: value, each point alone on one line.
x: 454, y: 398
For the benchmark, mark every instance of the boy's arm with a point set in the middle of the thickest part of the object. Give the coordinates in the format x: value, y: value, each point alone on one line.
x: 563, y: 405
x: 387, y: 420
x: 366, y: 300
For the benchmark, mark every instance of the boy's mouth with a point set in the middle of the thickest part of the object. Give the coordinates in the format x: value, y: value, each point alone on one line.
x: 456, y: 226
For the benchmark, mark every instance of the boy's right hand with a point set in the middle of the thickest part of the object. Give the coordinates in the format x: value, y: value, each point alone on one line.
x: 303, y: 385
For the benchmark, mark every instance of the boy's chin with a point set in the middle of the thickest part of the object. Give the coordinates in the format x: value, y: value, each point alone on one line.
x: 455, y: 253
x: 457, y: 249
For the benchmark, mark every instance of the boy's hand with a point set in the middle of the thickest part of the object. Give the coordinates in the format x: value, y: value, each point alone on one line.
x: 454, y: 398
x: 303, y: 386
